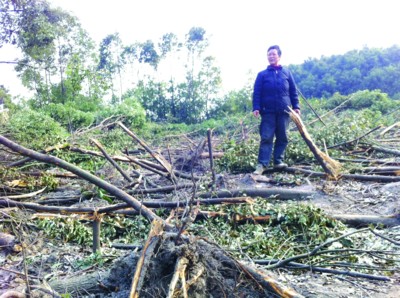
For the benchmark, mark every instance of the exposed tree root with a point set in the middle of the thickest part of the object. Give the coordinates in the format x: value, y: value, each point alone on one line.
x: 192, y: 268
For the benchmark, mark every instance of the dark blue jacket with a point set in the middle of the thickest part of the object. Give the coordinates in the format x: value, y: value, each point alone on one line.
x: 275, y: 90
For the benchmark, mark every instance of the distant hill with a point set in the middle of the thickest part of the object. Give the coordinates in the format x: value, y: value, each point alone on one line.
x: 366, y: 69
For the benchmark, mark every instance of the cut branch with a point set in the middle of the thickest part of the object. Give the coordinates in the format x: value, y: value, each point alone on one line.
x: 147, y: 213
x: 357, y: 220
x: 376, y: 178
x: 277, y: 193
x: 295, y: 265
x: 158, y: 157
x: 356, y: 139
x: 144, y: 260
x: 330, y: 166
x: 119, y: 169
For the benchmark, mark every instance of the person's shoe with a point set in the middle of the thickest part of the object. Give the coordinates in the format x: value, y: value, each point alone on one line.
x: 259, y: 169
x: 280, y: 166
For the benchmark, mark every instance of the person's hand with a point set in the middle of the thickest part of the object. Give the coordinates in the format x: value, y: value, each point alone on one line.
x: 256, y: 113
x: 297, y: 111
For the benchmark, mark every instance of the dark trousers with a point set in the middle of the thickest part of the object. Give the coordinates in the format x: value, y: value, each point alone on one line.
x: 273, y: 125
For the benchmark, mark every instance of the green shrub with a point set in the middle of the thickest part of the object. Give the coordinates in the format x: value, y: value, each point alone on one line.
x: 131, y: 109
x: 68, y: 116
x: 35, y: 130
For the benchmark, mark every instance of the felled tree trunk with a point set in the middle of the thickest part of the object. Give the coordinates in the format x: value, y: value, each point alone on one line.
x: 357, y: 220
x: 120, y: 194
x: 277, y: 193
x: 330, y: 166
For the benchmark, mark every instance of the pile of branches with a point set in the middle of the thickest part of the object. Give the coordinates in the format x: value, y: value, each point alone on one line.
x: 186, y: 261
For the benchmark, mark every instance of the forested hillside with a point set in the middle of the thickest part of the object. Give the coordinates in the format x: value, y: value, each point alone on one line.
x: 366, y: 69
x: 170, y: 80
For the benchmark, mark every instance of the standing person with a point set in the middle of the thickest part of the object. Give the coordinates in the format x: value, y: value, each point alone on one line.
x: 274, y: 91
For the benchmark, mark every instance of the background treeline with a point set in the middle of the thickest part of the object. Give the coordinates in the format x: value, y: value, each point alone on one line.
x: 366, y: 69
x: 172, y: 80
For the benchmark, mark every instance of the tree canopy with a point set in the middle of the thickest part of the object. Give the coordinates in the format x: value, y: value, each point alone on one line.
x: 366, y: 69
x: 173, y: 78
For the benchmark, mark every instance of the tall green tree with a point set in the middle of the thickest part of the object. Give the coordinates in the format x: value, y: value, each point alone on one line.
x: 210, y: 86
x: 111, y: 62
x: 51, y: 41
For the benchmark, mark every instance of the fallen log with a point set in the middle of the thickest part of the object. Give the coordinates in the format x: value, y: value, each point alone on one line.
x: 330, y: 166
x: 24, y: 196
x: 295, y: 265
x: 357, y: 220
x: 375, y: 178
x: 277, y: 193
x: 7, y: 203
x: 383, y: 132
x: 113, y: 190
x: 210, y: 152
x: 164, y: 189
x: 395, y: 171
x: 391, y: 162
x: 52, y: 173
x: 108, y: 157
x: 386, y: 150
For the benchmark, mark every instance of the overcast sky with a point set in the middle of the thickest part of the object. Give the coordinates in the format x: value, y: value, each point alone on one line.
x: 241, y: 30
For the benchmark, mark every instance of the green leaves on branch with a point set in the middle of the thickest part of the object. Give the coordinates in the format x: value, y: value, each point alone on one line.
x: 293, y: 229
x: 35, y: 130
x: 239, y: 157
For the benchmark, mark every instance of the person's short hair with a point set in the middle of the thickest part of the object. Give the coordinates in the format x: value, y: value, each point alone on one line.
x: 277, y: 48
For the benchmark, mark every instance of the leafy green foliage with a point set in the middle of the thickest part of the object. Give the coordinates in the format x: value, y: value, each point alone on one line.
x: 130, y: 108
x: 235, y: 102
x: 68, y: 116
x: 66, y: 229
x: 91, y: 260
x: 35, y: 129
x: 238, y: 157
x: 84, y: 161
x: 116, y: 228
x: 293, y: 229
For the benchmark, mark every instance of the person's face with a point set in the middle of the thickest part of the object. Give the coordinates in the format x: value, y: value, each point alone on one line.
x: 273, y: 57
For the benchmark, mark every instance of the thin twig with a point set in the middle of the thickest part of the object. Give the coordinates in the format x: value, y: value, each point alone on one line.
x: 313, y: 252
x: 384, y: 237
